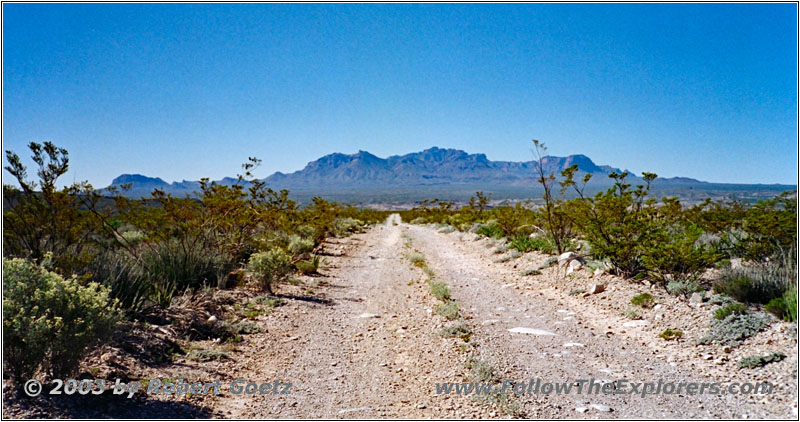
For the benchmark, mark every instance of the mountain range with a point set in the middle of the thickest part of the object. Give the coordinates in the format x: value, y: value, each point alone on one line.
x: 415, y: 172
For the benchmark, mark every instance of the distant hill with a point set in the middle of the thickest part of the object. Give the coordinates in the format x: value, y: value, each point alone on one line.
x: 420, y: 174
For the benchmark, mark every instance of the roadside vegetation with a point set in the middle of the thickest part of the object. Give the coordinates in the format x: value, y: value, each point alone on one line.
x: 78, y: 261
x: 743, y: 252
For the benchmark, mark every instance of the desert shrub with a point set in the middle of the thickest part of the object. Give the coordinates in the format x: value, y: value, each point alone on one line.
x: 780, y: 308
x: 757, y: 361
x: 448, y: 309
x: 457, y: 329
x: 416, y: 258
x: 40, y: 219
x: 683, y: 287
x: 49, y: 322
x: 734, y: 329
x: 643, y: 300
x: 730, y: 309
x: 758, y: 283
x: 618, y: 223
x: 207, y: 355
x: 670, y: 334
x: 418, y: 220
x: 346, y: 226
x: 576, y: 292
x: 270, y: 267
x: 500, y: 249
x: 310, y: 266
x: 490, y: 229
x: 524, y: 243
x: 673, y: 253
x: 514, y: 254
x: 300, y: 245
x: 549, y: 262
x: 790, y: 301
x: 447, y: 229
x: 633, y: 314
x: 179, y: 264
x: 440, y: 291
x: 531, y: 272
x: 246, y: 327
x: 481, y: 371
x: 125, y: 279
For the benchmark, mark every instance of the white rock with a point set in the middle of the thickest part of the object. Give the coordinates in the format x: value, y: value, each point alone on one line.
x: 597, y: 288
x: 637, y: 323
x: 573, y: 344
x: 581, y: 409
x: 600, y: 407
x: 368, y: 315
x: 534, y: 331
x: 212, y: 318
x: 598, y: 272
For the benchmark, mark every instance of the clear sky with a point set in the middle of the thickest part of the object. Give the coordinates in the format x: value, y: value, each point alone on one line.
x: 186, y: 91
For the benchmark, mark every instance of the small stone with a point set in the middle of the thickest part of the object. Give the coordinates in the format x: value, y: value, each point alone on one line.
x: 597, y: 288
x: 212, y: 318
x: 601, y: 407
x: 696, y: 298
x: 598, y: 272
x: 581, y: 409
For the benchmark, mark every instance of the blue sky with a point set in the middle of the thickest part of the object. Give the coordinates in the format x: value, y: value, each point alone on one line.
x: 187, y: 91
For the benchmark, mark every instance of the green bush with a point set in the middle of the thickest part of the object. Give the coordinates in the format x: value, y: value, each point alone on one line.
x: 790, y: 300
x: 440, y: 291
x: 670, y: 334
x: 270, y: 267
x: 524, y: 243
x: 49, y: 322
x: 730, y: 309
x: 448, y: 309
x: 417, y: 259
x: 309, y: 267
x: 300, y: 245
x: 779, y: 308
x: 643, y: 300
x: 757, y: 361
x: 734, y: 329
x: 758, y: 283
x: 683, y: 287
x: 490, y: 229
x: 673, y: 254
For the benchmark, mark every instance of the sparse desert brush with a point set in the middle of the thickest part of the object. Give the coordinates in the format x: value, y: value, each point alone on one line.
x: 439, y: 290
x: 643, y: 300
x: 207, y: 355
x: 759, y: 283
x: 270, y: 267
x: 448, y: 309
x: 481, y: 371
x: 730, y: 309
x: 671, y: 334
x: 524, y: 243
x: 531, y: 272
x: 299, y: 245
x: 756, y: 361
x: 683, y: 287
x: 416, y: 259
x: 309, y: 266
x: 734, y: 329
x: 457, y: 329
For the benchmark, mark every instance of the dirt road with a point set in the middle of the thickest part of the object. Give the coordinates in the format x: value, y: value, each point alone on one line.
x: 369, y: 345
